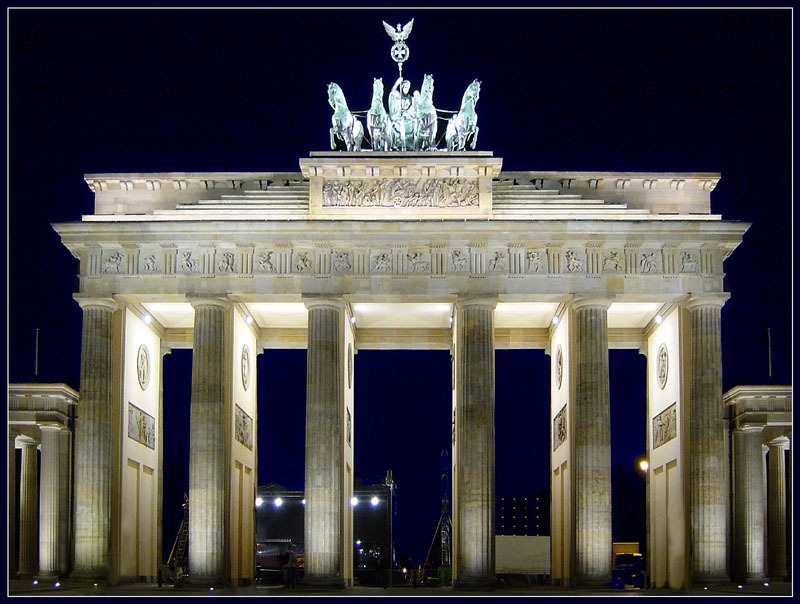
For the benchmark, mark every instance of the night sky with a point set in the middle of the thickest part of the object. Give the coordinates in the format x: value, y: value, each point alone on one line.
x: 94, y: 91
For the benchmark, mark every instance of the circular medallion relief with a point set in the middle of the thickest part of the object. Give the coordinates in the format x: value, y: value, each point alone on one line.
x: 143, y: 367
x: 245, y: 367
x: 559, y: 366
x: 662, y: 366
x: 349, y: 365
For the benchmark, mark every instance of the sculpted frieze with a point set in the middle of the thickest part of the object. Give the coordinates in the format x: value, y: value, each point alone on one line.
x: 401, y: 193
x: 516, y: 260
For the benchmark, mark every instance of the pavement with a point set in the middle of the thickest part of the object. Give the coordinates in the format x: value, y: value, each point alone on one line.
x: 67, y: 587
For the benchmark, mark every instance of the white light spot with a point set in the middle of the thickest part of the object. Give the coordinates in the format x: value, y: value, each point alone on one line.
x: 278, y: 502
x: 354, y: 501
x: 303, y: 502
x: 248, y: 319
x: 374, y: 501
x: 555, y: 320
x: 659, y: 319
x: 147, y: 319
x: 352, y: 320
x: 259, y: 501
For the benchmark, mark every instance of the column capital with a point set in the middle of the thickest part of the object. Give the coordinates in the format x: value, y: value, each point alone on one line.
x: 578, y: 303
x: 696, y: 300
x: 314, y: 301
x: 52, y: 426
x: 219, y: 301
x: 107, y: 303
x: 482, y: 301
x: 26, y: 441
x: 749, y: 427
x: 781, y: 443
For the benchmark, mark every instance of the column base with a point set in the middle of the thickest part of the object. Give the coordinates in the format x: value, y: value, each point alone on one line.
x: 711, y: 580
x: 93, y: 575
x: 322, y: 582
x: 475, y: 583
x: 202, y: 581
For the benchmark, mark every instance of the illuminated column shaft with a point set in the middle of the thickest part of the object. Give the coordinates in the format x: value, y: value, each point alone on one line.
x: 592, y: 444
x: 749, y: 503
x: 708, y: 484
x: 12, y: 503
x: 207, y: 443
x: 93, y: 443
x: 51, y: 523
x: 776, y: 510
x: 324, y: 453
x: 475, y: 440
x: 28, y: 509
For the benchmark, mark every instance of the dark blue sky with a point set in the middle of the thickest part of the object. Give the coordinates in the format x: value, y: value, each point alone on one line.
x: 241, y: 90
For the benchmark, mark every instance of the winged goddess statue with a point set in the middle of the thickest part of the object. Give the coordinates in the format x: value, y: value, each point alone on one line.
x: 400, y: 50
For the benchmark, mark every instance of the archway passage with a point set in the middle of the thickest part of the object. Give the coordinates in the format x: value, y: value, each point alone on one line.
x: 403, y: 423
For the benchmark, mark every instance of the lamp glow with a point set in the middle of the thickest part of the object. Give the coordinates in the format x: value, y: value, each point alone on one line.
x: 354, y: 501
x: 374, y: 501
x: 555, y: 320
x: 659, y: 319
x: 147, y: 318
x: 278, y: 502
x: 303, y: 501
x: 259, y: 501
x: 644, y: 466
x: 352, y: 320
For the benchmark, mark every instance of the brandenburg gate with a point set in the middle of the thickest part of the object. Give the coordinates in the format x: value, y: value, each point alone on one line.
x: 400, y: 246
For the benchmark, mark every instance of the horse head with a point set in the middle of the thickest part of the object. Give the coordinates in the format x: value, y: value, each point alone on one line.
x: 472, y: 93
x: 335, y: 96
x: 377, y: 93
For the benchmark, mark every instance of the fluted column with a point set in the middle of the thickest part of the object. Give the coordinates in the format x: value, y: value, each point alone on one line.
x: 93, y: 442
x: 52, y: 467
x: 749, y: 499
x: 207, y: 443
x: 776, y: 509
x: 708, y: 485
x: 592, y: 448
x: 12, y: 504
x: 28, y: 509
x: 475, y: 426
x: 324, y: 472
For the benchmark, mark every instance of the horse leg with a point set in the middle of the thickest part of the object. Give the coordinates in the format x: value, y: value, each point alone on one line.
x: 474, y: 137
x: 333, y: 139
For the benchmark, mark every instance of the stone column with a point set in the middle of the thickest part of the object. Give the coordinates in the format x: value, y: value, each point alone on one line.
x: 324, y: 442
x: 207, y: 445
x: 50, y: 521
x: 475, y: 397
x: 12, y: 504
x: 28, y: 509
x: 776, y: 509
x: 592, y: 443
x: 749, y: 499
x: 708, y: 485
x: 92, y: 490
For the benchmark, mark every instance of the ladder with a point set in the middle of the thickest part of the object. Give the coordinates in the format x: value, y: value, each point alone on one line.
x: 177, y: 556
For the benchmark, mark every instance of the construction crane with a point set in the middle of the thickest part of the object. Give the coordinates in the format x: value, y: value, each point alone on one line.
x: 438, y: 561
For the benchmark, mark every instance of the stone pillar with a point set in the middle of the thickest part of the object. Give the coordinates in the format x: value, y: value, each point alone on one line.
x: 207, y: 443
x: 93, y: 442
x: 12, y: 504
x: 592, y: 443
x: 324, y: 454
x: 708, y: 484
x: 749, y: 499
x: 474, y: 492
x: 50, y: 520
x: 776, y: 509
x: 28, y: 509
